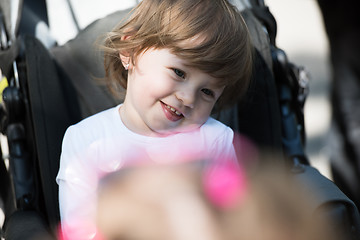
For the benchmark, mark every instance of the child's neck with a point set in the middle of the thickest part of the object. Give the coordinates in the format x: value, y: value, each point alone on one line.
x: 133, y: 125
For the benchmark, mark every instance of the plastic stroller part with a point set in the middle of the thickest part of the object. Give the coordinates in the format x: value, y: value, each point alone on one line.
x: 292, y: 97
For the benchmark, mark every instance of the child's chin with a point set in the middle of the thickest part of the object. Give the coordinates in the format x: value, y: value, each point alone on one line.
x: 182, y: 129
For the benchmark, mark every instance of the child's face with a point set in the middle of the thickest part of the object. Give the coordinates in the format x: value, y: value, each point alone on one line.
x: 166, y: 96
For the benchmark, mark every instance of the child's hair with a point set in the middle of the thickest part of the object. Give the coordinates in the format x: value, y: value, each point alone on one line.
x: 209, y: 35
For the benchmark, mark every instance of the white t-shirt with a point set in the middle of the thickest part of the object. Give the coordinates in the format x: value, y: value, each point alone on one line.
x: 101, y: 144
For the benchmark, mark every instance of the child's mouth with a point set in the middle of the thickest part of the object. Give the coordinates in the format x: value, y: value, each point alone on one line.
x: 173, y: 110
x: 171, y: 113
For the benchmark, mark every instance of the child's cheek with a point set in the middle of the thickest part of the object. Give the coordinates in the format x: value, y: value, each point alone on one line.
x: 164, y: 86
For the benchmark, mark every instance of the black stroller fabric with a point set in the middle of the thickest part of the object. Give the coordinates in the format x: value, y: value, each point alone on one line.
x: 50, y: 116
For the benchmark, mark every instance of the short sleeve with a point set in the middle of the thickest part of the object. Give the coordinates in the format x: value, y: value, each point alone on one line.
x: 77, y: 180
x: 223, y: 147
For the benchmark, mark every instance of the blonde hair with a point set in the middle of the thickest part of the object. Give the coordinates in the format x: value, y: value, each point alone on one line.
x: 210, y: 35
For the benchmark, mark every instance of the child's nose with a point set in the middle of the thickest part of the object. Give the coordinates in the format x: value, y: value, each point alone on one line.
x: 187, y: 98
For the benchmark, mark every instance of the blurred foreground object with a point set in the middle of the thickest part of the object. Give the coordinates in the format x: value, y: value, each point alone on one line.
x: 170, y: 202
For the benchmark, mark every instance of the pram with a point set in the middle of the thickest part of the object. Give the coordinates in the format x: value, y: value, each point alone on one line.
x: 50, y: 89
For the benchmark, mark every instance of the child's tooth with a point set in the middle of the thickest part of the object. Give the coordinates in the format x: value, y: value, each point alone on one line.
x: 173, y: 110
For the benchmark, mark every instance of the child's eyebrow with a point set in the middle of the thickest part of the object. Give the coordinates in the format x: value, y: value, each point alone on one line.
x: 182, y: 62
x: 215, y: 84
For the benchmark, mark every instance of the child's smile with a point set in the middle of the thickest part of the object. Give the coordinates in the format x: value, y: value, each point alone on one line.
x: 171, y: 113
x: 166, y: 96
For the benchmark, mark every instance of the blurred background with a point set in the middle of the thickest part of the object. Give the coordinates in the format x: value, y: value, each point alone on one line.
x: 302, y: 35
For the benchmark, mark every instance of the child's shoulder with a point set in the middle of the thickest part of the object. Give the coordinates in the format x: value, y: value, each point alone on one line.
x: 215, y: 127
x: 216, y: 124
x: 100, y: 117
x: 99, y: 123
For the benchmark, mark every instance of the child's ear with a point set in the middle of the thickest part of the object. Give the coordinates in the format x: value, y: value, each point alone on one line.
x: 125, y: 60
x: 124, y: 55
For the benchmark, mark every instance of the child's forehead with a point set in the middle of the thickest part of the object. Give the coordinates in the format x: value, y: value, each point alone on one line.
x: 164, y: 55
x: 176, y: 46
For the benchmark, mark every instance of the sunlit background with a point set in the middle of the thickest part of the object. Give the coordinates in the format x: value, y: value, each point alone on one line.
x: 301, y: 34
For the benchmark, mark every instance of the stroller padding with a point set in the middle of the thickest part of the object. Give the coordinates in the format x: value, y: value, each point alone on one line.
x: 82, y: 62
x: 50, y: 118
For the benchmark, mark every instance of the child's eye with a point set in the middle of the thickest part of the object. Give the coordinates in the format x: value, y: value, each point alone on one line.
x: 208, y: 92
x: 179, y: 73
